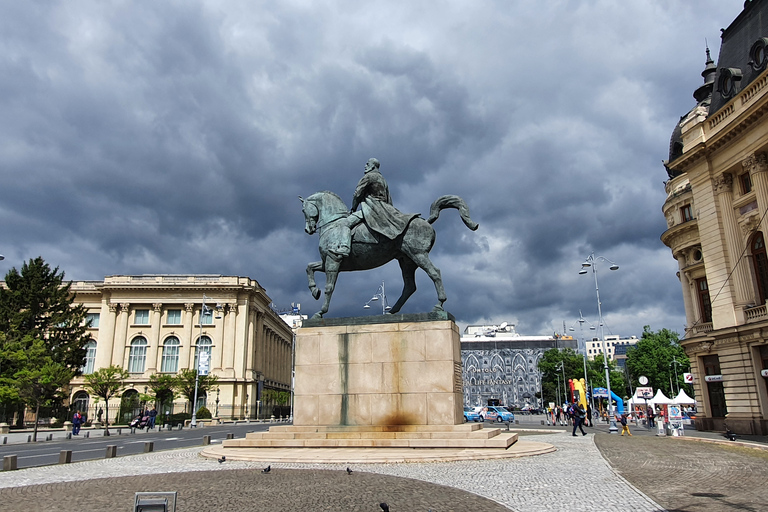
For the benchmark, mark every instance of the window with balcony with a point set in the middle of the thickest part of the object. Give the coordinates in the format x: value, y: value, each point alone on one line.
x: 760, y: 265
x: 705, y: 305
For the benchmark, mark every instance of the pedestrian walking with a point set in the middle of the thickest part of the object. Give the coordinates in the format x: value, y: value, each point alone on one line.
x: 579, y: 413
x: 624, y: 425
x: 152, y: 416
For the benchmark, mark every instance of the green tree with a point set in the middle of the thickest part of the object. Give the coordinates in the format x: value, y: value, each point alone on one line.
x: 653, y: 357
x: 36, y: 304
x: 106, y: 383
x: 185, y: 383
x: 41, y: 380
x: 552, y: 372
x: 163, y: 388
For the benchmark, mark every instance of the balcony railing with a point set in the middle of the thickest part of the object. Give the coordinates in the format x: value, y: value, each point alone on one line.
x: 702, y: 328
x: 756, y: 313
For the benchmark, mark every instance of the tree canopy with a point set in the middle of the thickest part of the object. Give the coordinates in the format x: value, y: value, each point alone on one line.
x: 573, y: 368
x: 657, y: 355
x: 185, y: 383
x: 106, y: 383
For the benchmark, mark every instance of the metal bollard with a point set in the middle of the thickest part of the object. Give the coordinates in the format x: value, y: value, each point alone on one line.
x: 119, y: 431
x: 29, y: 438
x: 149, y: 446
x: 87, y: 435
x: 9, y: 463
x: 65, y: 456
x: 181, y: 425
x: 5, y: 439
x: 206, y: 440
x: 49, y: 437
x: 111, y: 451
x: 69, y: 435
x: 230, y: 436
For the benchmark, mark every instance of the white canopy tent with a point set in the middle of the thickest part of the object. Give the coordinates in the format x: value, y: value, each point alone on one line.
x: 682, y: 398
x: 660, y: 398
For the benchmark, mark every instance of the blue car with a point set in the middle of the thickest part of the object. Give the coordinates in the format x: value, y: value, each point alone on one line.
x: 471, y: 415
x: 500, y: 414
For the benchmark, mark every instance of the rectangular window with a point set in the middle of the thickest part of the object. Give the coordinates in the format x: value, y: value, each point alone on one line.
x: 705, y: 306
x: 746, y: 183
x: 686, y: 213
x: 141, y: 317
x: 93, y: 318
x: 174, y: 317
x: 206, y: 317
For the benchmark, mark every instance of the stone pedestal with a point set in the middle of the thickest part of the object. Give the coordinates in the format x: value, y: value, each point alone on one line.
x: 390, y: 381
x: 371, y: 373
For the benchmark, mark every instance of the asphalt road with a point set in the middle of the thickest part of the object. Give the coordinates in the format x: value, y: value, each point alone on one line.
x: 43, y: 453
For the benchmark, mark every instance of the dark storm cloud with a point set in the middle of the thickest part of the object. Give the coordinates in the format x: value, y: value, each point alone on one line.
x: 175, y: 137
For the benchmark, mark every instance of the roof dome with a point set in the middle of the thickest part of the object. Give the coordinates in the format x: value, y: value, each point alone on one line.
x: 703, y: 97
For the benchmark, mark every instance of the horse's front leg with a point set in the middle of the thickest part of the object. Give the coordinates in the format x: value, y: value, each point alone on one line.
x: 315, y: 266
x: 332, y: 265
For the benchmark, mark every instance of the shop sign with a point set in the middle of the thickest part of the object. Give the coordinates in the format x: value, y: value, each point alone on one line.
x: 644, y: 392
x: 713, y: 378
x: 688, y: 378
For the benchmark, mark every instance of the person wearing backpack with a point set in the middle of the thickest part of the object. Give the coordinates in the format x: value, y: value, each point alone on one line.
x: 624, y: 424
x: 578, y: 418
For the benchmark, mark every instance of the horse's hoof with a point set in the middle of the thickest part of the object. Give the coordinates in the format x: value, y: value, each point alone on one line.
x: 438, y: 308
x: 316, y: 293
x: 317, y: 316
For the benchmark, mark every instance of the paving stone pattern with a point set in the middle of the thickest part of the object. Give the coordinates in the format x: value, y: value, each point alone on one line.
x: 688, y: 475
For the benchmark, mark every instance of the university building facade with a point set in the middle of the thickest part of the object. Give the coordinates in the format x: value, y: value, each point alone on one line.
x: 155, y: 324
x: 716, y: 206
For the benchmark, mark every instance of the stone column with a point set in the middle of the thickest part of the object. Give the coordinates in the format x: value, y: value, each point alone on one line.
x: 154, y: 338
x: 105, y: 345
x: 687, y: 285
x: 250, y: 342
x: 229, y: 336
x: 259, y: 342
x: 757, y: 165
x: 186, y: 344
x: 723, y: 185
x: 121, y: 331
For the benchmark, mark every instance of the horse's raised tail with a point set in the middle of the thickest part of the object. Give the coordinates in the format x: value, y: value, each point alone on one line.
x: 443, y: 202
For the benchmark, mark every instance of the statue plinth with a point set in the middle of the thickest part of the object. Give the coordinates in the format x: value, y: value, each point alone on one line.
x: 378, y: 371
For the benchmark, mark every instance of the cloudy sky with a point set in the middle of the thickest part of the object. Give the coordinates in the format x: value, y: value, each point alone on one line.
x: 174, y: 137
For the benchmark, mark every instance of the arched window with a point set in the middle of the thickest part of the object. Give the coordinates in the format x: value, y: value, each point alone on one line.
x: 80, y: 402
x: 760, y: 263
x: 138, y: 355
x: 170, y: 361
x: 90, y: 357
x: 204, y: 345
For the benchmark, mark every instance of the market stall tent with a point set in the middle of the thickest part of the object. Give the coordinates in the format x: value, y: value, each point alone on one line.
x: 660, y: 398
x: 683, y: 398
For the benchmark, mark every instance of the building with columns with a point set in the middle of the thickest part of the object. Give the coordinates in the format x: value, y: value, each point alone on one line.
x: 716, y: 206
x: 150, y: 324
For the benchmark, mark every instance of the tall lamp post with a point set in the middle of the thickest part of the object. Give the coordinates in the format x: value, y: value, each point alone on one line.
x: 205, y: 310
x: 591, y: 262
x: 379, y: 295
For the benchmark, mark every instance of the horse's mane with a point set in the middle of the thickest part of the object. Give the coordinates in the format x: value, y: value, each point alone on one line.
x: 333, y: 200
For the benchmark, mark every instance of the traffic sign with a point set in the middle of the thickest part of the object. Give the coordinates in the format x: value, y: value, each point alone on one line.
x: 688, y: 378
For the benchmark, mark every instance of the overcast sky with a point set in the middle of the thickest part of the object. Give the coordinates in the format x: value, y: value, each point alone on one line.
x: 174, y: 137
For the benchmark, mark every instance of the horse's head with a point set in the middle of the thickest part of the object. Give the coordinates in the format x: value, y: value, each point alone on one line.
x: 321, y: 208
x: 311, y: 214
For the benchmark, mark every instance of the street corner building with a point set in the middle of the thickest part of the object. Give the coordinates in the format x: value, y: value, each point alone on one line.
x: 716, y: 206
x: 156, y: 324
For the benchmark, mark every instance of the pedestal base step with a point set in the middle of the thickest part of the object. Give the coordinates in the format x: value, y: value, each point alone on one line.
x: 386, y: 436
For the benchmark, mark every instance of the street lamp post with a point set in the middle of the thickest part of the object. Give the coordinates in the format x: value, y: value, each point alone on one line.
x: 675, y: 362
x: 379, y: 295
x: 203, y: 311
x: 591, y: 262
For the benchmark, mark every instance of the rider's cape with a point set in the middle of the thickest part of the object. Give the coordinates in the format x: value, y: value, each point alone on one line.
x: 379, y: 214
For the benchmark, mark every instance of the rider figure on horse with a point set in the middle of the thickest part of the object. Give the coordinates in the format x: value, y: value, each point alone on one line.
x: 372, y: 195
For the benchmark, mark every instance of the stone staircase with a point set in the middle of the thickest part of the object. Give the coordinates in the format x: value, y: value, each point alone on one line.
x: 467, y: 435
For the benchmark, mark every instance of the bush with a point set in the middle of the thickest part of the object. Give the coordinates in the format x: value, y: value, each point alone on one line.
x: 203, y: 413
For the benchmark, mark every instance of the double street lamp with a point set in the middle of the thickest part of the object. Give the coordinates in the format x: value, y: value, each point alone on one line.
x: 591, y: 262
x: 201, y: 360
x: 379, y: 295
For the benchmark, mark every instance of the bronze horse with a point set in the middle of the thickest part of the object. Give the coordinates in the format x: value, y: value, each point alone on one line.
x: 327, y: 214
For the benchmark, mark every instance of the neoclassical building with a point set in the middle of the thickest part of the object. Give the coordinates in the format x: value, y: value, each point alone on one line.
x: 151, y: 324
x: 716, y: 206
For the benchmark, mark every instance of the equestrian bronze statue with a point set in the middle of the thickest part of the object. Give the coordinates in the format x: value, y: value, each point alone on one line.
x: 373, y: 236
